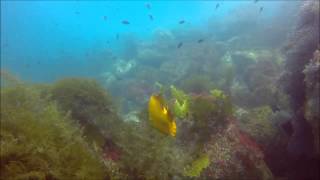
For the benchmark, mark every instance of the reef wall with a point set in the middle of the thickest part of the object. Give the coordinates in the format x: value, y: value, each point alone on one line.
x: 302, y: 44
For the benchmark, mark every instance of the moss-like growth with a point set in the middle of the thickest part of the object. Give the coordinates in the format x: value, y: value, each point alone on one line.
x: 197, y: 166
x: 257, y: 122
x: 218, y: 94
x: 152, y: 155
x: 85, y: 98
x: 209, y: 115
x: 198, y: 84
x: 38, y: 142
x: 204, y: 107
x: 89, y: 104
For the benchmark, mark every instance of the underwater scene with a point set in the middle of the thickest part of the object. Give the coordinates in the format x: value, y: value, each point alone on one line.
x: 160, y: 90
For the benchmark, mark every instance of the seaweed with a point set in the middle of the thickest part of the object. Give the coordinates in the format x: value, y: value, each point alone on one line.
x: 303, y: 43
x: 84, y: 98
x: 198, y: 84
x: 181, y: 109
x: 209, y: 115
x: 181, y: 102
x: 37, y: 141
x: 89, y: 104
x: 153, y: 155
x: 197, y: 166
x: 257, y: 122
x: 302, y: 51
x: 218, y: 94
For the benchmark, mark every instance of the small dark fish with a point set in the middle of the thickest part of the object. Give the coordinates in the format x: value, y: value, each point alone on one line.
x: 77, y: 12
x: 255, y: 1
x: 38, y: 62
x: 261, y: 9
x: 180, y: 45
x: 181, y: 22
x: 117, y: 36
x: 126, y: 22
x: 148, y: 6
x: 105, y: 18
x: 150, y: 17
x: 217, y: 5
x: 200, y: 40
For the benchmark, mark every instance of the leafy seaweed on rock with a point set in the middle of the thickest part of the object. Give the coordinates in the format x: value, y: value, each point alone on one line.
x: 89, y: 104
x: 37, y: 141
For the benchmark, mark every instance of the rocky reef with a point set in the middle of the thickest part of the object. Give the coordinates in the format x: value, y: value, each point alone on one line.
x: 244, y: 108
x: 302, y: 45
x: 74, y: 121
x: 37, y: 140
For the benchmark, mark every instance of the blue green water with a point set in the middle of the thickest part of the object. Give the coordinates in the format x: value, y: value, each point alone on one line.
x: 45, y: 40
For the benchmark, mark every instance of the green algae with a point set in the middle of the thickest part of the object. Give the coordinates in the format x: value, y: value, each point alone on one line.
x: 37, y: 141
x: 197, y: 166
x: 181, y: 102
x: 89, y: 104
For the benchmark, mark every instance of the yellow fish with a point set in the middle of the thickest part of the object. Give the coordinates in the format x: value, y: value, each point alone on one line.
x: 160, y: 116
